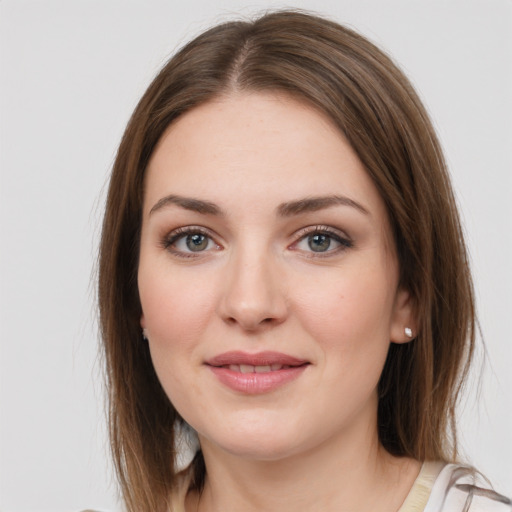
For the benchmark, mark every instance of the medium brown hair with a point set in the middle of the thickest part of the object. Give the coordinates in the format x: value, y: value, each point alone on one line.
x: 364, y: 93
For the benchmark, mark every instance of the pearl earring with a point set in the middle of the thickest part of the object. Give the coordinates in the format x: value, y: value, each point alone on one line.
x: 408, y: 332
x: 144, y: 334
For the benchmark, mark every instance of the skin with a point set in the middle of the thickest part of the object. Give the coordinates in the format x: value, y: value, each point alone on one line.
x: 260, y: 283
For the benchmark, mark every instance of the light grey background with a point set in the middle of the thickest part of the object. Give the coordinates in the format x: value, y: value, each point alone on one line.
x: 71, y: 73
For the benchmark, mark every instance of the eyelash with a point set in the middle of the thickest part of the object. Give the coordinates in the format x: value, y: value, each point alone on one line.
x: 339, y: 237
x: 176, y: 235
x: 345, y: 243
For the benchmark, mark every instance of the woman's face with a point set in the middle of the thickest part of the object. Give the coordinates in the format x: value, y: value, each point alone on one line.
x: 268, y: 277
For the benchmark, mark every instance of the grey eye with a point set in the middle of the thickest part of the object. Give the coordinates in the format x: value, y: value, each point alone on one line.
x: 189, y: 241
x: 319, y: 242
x: 197, y: 242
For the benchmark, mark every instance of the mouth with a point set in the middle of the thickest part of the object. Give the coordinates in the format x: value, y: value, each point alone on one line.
x: 249, y: 368
x: 256, y: 373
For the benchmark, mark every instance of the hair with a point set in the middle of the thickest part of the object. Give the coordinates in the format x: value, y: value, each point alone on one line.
x: 373, y: 104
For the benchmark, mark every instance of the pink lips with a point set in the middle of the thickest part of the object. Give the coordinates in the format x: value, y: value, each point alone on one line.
x: 255, y: 373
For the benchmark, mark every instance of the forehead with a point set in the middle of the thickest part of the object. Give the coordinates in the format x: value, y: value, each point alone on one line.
x: 256, y: 149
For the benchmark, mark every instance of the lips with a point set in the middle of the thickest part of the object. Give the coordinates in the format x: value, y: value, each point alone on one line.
x: 249, y: 368
x: 256, y: 373
x: 259, y: 359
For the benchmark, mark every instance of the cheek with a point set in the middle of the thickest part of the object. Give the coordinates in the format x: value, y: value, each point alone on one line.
x: 348, y: 317
x: 176, y: 311
x: 349, y: 312
x: 175, y: 307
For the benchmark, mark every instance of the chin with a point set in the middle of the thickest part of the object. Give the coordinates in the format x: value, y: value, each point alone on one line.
x: 258, y: 449
x: 257, y: 441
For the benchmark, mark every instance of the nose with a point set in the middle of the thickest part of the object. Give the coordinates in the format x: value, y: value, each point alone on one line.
x: 253, y: 293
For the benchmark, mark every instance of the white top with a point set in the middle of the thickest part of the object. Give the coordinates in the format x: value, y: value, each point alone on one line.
x: 439, y: 487
x: 452, y: 488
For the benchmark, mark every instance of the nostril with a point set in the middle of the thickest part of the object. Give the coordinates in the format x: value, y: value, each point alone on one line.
x: 251, y: 305
x: 252, y: 324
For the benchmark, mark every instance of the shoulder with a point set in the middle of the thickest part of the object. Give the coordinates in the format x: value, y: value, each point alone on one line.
x: 462, y: 489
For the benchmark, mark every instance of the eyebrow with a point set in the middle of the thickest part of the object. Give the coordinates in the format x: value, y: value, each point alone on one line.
x: 313, y: 204
x: 288, y: 209
x: 188, y: 203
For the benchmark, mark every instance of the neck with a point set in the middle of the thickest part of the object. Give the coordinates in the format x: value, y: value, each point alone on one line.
x: 347, y: 473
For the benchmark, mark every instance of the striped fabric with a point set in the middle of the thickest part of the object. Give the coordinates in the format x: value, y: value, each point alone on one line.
x: 439, y: 487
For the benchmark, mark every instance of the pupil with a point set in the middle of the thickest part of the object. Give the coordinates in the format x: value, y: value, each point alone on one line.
x: 197, y: 242
x: 319, y: 243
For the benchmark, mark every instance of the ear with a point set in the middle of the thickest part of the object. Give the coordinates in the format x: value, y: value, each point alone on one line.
x: 403, y: 318
x: 143, y: 325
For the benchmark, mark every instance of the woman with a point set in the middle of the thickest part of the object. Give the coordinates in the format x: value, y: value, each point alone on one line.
x: 281, y: 226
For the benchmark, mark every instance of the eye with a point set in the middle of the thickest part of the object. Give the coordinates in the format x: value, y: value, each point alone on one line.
x: 196, y: 242
x: 320, y: 240
x: 185, y: 241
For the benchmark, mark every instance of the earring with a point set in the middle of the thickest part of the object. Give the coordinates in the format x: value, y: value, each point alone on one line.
x: 144, y: 334
x: 408, y: 332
